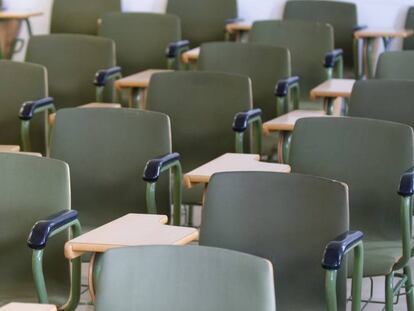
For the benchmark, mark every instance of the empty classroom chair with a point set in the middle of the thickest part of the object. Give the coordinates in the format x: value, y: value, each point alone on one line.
x: 141, y: 38
x: 107, y: 150
x: 72, y: 62
x: 390, y: 100
x: 342, y: 16
x: 189, y: 277
x: 202, y: 107
x: 33, y: 189
x: 408, y: 43
x: 370, y: 156
x: 79, y: 16
x: 307, y: 68
x: 203, y: 21
x: 20, y: 82
x: 396, y: 65
x: 279, y: 217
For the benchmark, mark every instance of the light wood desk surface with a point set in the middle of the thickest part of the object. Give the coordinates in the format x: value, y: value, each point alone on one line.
x: 138, y: 80
x: 190, y: 56
x: 287, y: 121
x: 383, y: 33
x: 6, y: 14
x: 9, y: 148
x: 14, y: 306
x: 130, y: 230
x: 240, y: 26
x: 231, y: 162
x: 333, y: 88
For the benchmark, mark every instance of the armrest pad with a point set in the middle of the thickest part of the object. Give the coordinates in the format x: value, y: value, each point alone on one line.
x: 331, y: 57
x: 174, y: 48
x: 28, y: 108
x: 282, y: 86
x: 42, y: 229
x: 406, y: 188
x: 104, y: 74
x: 241, y: 120
x: 359, y: 27
x: 336, y: 249
x: 233, y: 20
x: 153, y: 168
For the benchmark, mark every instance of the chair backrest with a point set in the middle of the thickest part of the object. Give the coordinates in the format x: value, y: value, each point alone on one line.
x: 203, y: 21
x: 396, y: 65
x: 308, y: 42
x: 352, y: 150
x: 79, y: 16
x: 32, y: 188
x: 107, y: 150
x: 184, y: 278
x: 409, y: 24
x: 342, y: 16
x: 264, y: 64
x: 140, y: 38
x: 383, y: 99
x: 20, y: 82
x: 202, y: 106
x: 72, y: 62
x: 272, y: 215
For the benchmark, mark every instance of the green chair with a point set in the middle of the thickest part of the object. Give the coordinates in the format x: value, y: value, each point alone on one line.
x: 409, y: 24
x: 389, y: 100
x: 202, y: 106
x: 107, y: 150
x: 396, y: 65
x: 79, y: 16
x: 298, y: 36
x: 370, y: 156
x: 264, y: 64
x: 32, y: 188
x: 203, y: 21
x: 342, y: 16
x: 20, y: 82
x: 183, y: 278
x: 141, y: 38
x: 278, y: 216
x: 72, y: 62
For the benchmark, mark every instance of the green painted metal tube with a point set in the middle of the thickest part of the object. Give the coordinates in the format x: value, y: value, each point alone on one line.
x: 177, y: 192
x: 256, y: 124
x: 330, y: 289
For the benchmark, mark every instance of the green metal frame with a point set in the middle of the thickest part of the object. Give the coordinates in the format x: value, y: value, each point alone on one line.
x: 356, y: 48
x: 25, y: 128
x: 330, y: 281
x: 100, y: 89
x: 177, y: 192
x: 75, y: 271
x: 256, y: 124
x: 337, y: 71
x: 282, y: 102
x: 283, y: 147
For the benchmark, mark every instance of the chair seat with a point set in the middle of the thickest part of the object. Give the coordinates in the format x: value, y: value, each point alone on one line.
x: 380, y: 257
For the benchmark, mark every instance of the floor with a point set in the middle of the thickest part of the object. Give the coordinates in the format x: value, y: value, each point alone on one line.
x: 378, y: 286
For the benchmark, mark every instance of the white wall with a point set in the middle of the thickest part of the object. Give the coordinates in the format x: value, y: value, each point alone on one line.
x: 378, y: 13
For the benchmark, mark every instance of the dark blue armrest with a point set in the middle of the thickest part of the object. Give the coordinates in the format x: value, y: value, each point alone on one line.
x: 153, y: 168
x: 336, y: 249
x: 103, y: 75
x: 42, y: 229
x: 282, y: 87
x: 332, y: 57
x: 360, y: 27
x: 233, y: 20
x: 241, y: 120
x: 406, y: 188
x: 174, y: 48
x: 29, y: 108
